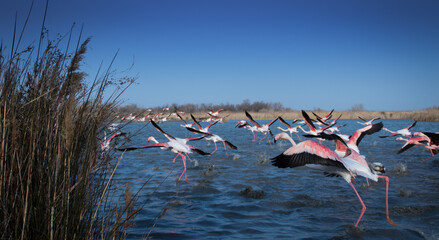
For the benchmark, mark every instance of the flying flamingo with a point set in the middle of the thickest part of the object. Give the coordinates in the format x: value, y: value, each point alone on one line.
x: 432, y: 142
x: 261, y: 128
x: 323, y: 120
x: 367, y: 123
x: 358, y: 135
x: 246, y: 125
x: 356, y: 164
x: 312, y: 129
x: 176, y: 145
x: 404, y: 132
x: 411, y: 142
x: 205, y: 129
x: 289, y: 129
x: 315, y: 156
x: 215, y: 138
x: 185, y: 123
x: 215, y: 113
x: 105, y: 142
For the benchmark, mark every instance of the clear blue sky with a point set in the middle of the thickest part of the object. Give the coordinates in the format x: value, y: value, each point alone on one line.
x: 303, y: 54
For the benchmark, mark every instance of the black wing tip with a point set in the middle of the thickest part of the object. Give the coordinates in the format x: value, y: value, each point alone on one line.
x: 126, y: 149
x: 201, y: 152
x: 230, y: 145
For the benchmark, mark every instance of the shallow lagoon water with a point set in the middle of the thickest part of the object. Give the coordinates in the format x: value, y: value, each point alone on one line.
x: 242, y: 196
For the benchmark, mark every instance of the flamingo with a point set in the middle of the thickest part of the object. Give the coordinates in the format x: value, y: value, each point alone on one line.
x: 308, y: 121
x: 215, y: 118
x: 261, y: 128
x: 312, y: 129
x: 215, y: 138
x: 315, y: 156
x: 367, y: 123
x: 215, y: 113
x: 324, y: 119
x: 105, y: 142
x: 176, y: 145
x: 358, y: 135
x: 357, y: 165
x: 289, y: 129
x: 205, y: 129
x: 432, y: 142
x: 246, y: 125
x: 404, y: 132
x: 185, y: 123
x: 411, y: 142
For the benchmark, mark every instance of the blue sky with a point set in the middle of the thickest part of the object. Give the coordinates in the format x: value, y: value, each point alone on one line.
x: 303, y: 54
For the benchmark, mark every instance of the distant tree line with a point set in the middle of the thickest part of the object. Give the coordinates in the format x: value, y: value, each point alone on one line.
x: 246, y: 105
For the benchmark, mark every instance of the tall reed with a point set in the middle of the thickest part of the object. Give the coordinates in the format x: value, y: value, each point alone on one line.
x: 54, y: 181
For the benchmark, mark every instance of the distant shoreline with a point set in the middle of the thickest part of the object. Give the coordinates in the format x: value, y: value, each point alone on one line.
x: 431, y: 115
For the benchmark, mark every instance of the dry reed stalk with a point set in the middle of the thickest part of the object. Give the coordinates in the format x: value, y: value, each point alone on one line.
x: 53, y: 177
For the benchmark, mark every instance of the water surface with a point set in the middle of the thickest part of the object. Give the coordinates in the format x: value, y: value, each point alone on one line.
x: 242, y: 196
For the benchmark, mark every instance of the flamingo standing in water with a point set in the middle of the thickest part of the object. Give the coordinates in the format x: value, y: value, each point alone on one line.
x: 315, y: 156
x: 261, y: 128
x: 357, y: 165
x: 289, y: 129
x: 404, y: 132
x: 176, y: 145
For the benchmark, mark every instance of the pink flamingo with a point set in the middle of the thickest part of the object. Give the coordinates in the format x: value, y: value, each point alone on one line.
x: 289, y: 129
x: 105, y: 143
x: 315, y: 156
x: 215, y: 113
x: 367, y: 123
x: 404, y: 132
x: 176, y: 145
x: 323, y: 120
x: 312, y: 129
x: 357, y: 165
x: 432, y: 142
x: 246, y: 125
x: 205, y: 129
x: 215, y: 138
x: 261, y: 128
x: 186, y: 125
x: 358, y: 135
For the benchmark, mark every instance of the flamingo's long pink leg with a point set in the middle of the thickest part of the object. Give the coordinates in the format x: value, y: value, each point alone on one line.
x: 173, y: 160
x: 387, y: 201
x: 362, y: 203
x: 432, y: 155
x: 214, y: 150
x: 262, y: 139
x: 184, y: 171
x: 188, y: 157
x: 225, y: 148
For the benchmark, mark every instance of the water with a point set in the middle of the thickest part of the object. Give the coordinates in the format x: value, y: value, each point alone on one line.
x: 242, y: 196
